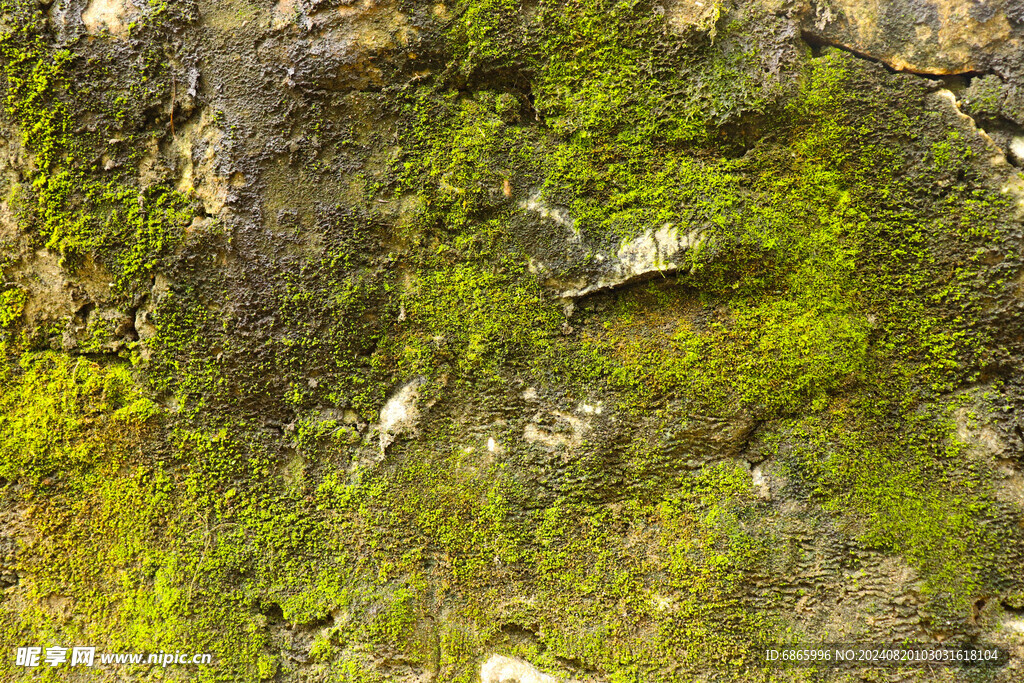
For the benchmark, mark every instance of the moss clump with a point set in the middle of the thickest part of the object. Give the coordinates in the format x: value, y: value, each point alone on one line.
x: 777, y: 357
x: 460, y: 153
x: 903, y: 478
x: 484, y: 33
x: 611, y: 71
x: 566, y: 571
x: 472, y: 318
x: 78, y: 208
x: 70, y: 431
x: 47, y: 407
x: 12, y: 304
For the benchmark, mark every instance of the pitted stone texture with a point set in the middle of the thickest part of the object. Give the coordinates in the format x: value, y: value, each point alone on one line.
x: 337, y: 47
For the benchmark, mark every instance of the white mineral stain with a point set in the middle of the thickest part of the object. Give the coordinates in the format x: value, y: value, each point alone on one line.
x: 499, y: 669
x: 400, y: 414
x: 654, y: 251
x: 1014, y: 625
x: 1017, y: 148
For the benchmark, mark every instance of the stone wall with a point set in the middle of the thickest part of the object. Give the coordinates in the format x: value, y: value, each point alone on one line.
x: 591, y: 341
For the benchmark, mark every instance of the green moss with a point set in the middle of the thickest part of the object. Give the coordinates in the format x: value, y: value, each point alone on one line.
x: 78, y: 208
x: 69, y: 433
x: 775, y: 357
x: 182, y: 362
x: 460, y: 152
x: 611, y: 71
x: 623, y: 189
x: 907, y: 483
x: 476, y: 318
x: 484, y: 33
x: 564, y: 569
x: 839, y: 304
x: 12, y: 304
x: 47, y: 426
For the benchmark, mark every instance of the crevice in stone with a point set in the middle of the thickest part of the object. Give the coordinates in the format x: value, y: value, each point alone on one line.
x: 273, y: 612
x: 1019, y: 432
x: 84, y: 310
x: 1006, y: 151
x: 522, y: 634
x: 127, y: 329
x: 1012, y: 610
x: 955, y: 83
x: 669, y: 274
x: 977, y: 607
x: 818, y: 42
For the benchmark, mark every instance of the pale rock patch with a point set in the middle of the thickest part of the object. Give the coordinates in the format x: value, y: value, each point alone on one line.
x: 1017, y: 148
x: 760, y: 482
x: 654, y: 251
x: 400, y: 414
x: 200, y: 174
x: 685, y: 16
x: 946, y: 38
x: 111, y: 16
x: 499, y: 669
x: 582, y: 263
x: 285, y: 13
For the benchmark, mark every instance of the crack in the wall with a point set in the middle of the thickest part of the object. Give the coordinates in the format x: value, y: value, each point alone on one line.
x: 816, y: 41
x: 955, y: 102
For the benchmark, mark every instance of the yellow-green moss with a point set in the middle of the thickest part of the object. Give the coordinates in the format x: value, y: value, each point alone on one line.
x: 12, y: 304
x: 79, y: 208
x: 59, y: 412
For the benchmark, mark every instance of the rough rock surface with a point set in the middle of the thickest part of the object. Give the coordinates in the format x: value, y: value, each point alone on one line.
x: 939, y: 37
x: 596, y: 341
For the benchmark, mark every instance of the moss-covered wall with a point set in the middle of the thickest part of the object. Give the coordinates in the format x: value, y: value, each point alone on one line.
x: 369, y: 341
